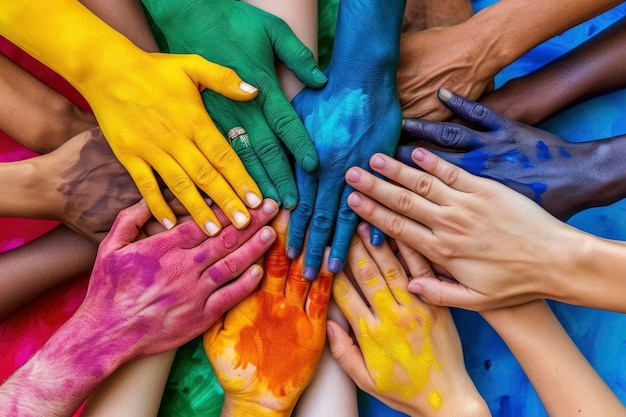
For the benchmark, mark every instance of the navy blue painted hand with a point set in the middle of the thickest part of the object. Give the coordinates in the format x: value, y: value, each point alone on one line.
x: 356, y: 115
x: 248, y: 40
x: 542, y: 166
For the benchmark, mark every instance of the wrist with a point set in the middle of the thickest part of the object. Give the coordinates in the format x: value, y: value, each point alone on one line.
x: 236, y: 407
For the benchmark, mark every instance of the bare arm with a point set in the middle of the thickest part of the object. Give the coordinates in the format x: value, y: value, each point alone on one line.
x: 565, y: 382
x: 34, y: 114
x: 595, y: 67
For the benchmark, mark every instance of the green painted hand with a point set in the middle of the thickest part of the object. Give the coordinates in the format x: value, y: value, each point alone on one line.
x: 247, y: 39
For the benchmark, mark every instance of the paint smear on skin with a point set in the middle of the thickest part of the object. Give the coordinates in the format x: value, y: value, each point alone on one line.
x: 393, y: 361
x: 543, y: 152
x: 538, y: 189
x: 563, y: 152
x: 435, y: 400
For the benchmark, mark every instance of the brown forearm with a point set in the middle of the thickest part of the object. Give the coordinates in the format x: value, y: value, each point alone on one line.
x: 34, y: 114
x: 43, y: 264
x: 424, y: 14
x: 593, y: 68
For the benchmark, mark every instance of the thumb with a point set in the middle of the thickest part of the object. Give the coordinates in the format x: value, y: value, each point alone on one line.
x: 443, y: 293
x: 296, y: 56
x: 127, y: 226
x: 216, y: 77
x: 348, y: 355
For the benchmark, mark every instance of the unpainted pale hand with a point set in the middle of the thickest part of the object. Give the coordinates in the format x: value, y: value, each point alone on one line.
x: 265, y: 350
x: 498, y: 244
x: 409, y: 354
x: 248, y: 40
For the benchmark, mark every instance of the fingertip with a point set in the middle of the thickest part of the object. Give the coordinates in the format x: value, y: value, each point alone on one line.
x: 248, y: 89
x: 444, y: 94
x: 320, y: 78
x: 310, y: 272
x: 309, y: 164
x: 335, y: 265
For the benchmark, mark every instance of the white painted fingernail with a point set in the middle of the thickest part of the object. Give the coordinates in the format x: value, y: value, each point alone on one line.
x: 211, y: 228
x: 253, y: 200
x: 240, y: 218
x: 245, y: 87
x: 167, y: 223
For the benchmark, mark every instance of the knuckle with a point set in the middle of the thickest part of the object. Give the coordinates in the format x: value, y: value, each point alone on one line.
x: 450, y: 135
x: 205, y: 176
x: 478, y: 112
x: 228, y: 241
x: 145, y: 186
x: 393, y: 273
x: 284, y: 123
x: 396, y: 226
x: 181, y: 185
x: 321, y: 222
x: 423, y: 184
x: 230, y: 265
x: 403, y: 202
x: 449, y: 174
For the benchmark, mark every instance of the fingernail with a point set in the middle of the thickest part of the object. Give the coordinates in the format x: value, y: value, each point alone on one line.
x: 310, y: 273
x: 378, y: 162
x: 247, y: 88
x: 266, y: 235
x: 309, y: 164
x: 292, y: 253
x: 414, y: 287
x: 330, y: 332
x: 353, y: 175
x: 167, y: 223
x: 319, y: 76
x: 240, y: 218
x: 335, y: 265
x: 376, y: 240
x: 257, y: 271
x: 211, y: 228
x: 418, y: 155
x: 253, y: 200
x: 289, y: 202
x: 444, y: 94
x: 269, y: 207
x: 355, y: 200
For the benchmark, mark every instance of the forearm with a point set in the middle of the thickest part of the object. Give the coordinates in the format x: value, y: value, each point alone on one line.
x: 34, y: 114
x: 135, y: 389
x: 66, y: 37
x: 301, y: 16
x: 41, y: 265
x: 425, y: 14
x: 562, y: 377
x: 509, y: 28
x: 19, y: 182
x: 593, y: 68
x: 60, y: 376
x: 235, y: 408
x: 128, y: 18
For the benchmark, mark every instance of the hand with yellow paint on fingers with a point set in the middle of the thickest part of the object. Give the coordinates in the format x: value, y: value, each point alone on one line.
x: 409, y: 353
x: 148, y: 106
x: 265, y: 350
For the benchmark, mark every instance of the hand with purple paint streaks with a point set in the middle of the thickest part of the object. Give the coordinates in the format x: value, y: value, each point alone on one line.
x: 265, y: 350
x: 144, y: 297
x: 356, y: 115
x: 562, y: 177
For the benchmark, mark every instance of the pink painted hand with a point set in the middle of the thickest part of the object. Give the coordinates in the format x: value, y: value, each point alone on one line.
x: 409, y: 354
x: 144, y: 297
x: 266, y: 349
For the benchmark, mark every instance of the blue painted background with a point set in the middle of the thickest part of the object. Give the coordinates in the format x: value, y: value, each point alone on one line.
x: 600, y: 335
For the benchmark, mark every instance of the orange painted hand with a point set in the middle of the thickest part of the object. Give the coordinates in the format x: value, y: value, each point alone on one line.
x: 409, y: 354
x: 148, y: 107
x: 265, y: 350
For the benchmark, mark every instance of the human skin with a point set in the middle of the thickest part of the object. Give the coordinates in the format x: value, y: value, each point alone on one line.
x: 355, y: 115
x: 138, y: 304
x: 477, y: 49
x: 565, y: 382
x: 248, y: 40
x: 34, y: 114
x: 595, y: 67
x: 409, y: 353
x: 424, y: 14
x: 562, y: 177
x: 81, y: 184
x: 265, y: 350
x: 41, y: 265
x: 499, y: 247
x: 165, y: 128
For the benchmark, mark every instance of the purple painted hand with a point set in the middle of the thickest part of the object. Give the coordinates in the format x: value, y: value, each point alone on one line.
x: 155, y: 294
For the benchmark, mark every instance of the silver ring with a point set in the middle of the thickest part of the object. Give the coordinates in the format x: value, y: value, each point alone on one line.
x: 234, y: 132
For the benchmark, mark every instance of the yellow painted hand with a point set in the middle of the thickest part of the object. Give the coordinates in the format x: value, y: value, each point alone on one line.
x: 147, y: 105
x: 409, y: 354
x: 266, y: 349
